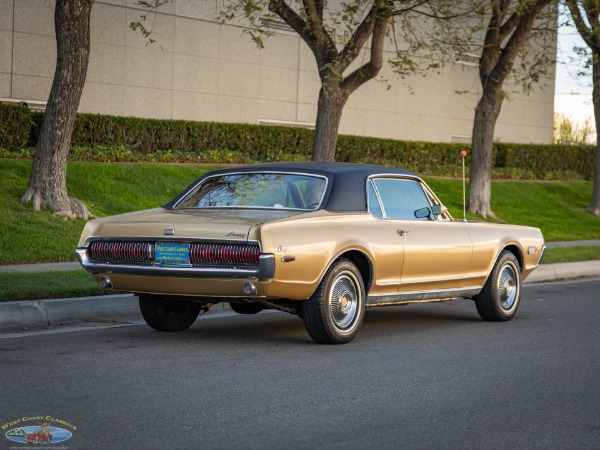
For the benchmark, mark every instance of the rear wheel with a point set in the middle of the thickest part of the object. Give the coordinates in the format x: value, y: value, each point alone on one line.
x: 501, y: 294
x: 334, y: 313
x: 163, y: 315
x: 247, y: 308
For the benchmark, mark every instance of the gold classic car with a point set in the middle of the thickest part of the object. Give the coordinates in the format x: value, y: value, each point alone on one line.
x: 323, y: 241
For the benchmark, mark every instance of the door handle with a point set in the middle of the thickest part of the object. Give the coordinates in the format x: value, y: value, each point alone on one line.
x: 403, y: 232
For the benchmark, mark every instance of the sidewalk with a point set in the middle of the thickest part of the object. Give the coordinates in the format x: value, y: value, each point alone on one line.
x: 122, y: 307
x: 562, y: 244
x: 44, y: 267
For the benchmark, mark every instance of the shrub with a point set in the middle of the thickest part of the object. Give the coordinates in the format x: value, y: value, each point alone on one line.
x: 15, y: 127
x: 542, y: 159
x: 130, y: 139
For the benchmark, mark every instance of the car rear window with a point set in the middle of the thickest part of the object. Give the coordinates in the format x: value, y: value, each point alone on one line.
x: 258, y: 190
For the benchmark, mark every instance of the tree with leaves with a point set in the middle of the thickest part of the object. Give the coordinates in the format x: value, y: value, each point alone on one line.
x: 333, y: 62
x: 423, y: 35
x: 586, y: 17
x: 509, y: 30
x: 48, y: 182
x: 567, y: 131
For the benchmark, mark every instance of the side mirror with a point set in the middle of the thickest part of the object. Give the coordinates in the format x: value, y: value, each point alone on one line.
x: 423, y: 213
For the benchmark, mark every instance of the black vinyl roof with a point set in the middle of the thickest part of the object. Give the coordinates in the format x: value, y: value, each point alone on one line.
x: 346, y: 187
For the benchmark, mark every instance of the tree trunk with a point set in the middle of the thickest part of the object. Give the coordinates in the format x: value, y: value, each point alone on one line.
x: 331, y: 104
x: 47, y: 186
x: 594, y: 207
x: 480, y: 187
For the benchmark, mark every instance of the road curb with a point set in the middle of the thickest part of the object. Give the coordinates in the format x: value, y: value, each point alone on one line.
x: 52, y: 312
x: 23, y: 314
x: 564, y: 271
x: 57, y: 311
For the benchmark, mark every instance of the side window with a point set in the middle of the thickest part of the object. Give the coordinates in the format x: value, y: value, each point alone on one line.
x: 373, y: 201
x: 401, y: 198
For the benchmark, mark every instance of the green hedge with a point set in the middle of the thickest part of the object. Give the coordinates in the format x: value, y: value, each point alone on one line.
x: 546, y: 159
x: 16, y: 127
x: 112, y: 138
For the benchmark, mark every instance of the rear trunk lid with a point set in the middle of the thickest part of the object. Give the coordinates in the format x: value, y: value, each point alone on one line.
x: 225, y: 224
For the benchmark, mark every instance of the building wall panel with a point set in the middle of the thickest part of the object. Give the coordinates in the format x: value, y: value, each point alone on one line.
x: 5, y: 84
x: 196, y: 74
x: 6, y: 43
x: 197, y: 38
x: 6, y: 15
x: 195, y: 106
x: 102, y: 98
x: 26, y: 87
x: 147, y: 102
x: 201, y: 70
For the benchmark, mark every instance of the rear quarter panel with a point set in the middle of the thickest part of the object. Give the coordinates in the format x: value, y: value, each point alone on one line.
x: 315, y: 240
x: 490, y: 239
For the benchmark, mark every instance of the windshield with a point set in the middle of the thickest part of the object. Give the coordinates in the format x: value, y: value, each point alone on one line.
x: 257, y: 190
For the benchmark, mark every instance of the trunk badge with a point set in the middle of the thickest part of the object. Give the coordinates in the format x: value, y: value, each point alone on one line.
x: 169, y: 231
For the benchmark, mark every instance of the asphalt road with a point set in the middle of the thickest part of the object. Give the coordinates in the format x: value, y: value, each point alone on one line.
x: 427, y: 376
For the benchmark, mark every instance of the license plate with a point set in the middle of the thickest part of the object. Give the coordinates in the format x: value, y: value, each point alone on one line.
x: 173, y: 253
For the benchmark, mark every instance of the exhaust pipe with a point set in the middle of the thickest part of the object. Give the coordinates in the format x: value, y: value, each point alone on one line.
x: 106, y: 283
x: 249, y: 289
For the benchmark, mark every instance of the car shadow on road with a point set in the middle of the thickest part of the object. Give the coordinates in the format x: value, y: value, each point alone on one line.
x: 272, y: 326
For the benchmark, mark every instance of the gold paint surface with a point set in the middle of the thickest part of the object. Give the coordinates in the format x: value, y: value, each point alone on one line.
x: 433, y: 255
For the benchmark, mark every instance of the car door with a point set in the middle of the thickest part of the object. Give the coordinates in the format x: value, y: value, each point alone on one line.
x: 437, y: 253
x: 386, y: 246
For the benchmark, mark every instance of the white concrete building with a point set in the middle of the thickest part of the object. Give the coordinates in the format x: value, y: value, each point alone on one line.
x: 204, y: 71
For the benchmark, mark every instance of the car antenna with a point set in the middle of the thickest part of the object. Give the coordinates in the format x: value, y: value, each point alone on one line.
x: 463, y: 154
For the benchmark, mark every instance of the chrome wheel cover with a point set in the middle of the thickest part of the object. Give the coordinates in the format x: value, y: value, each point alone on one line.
x: 508, y: 287
x: 344, y: 298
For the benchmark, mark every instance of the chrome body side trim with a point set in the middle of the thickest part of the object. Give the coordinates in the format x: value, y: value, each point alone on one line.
x: 367, y: 283
x: 539, y: 261
x: 265, y: 270
x: 422, y: 296
x: 428, y: 192
x: 412, y: 302
x: 223, y: 240
x: 197, y: 185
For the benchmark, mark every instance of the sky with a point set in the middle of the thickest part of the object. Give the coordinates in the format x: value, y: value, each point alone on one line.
x: 567, y: 81
x: 573, y: 96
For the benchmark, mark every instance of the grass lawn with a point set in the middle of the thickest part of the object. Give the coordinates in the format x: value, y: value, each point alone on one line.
x: 556, y: 208
x: 27, y: 236
x: 41, y: 285
x: 569, y: 254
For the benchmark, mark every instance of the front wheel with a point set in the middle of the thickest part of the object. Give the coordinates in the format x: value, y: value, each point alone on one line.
x: 334, y: 313
x: 165, y: 315
x: 501, y: 294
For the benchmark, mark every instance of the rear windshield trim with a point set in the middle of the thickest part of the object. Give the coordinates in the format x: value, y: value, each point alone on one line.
x: 275, y: 172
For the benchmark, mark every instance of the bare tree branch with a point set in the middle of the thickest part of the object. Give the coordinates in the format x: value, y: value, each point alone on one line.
x: 372, y: 68
x: 586, y: 33
x: 358, y: 39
